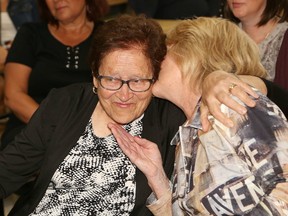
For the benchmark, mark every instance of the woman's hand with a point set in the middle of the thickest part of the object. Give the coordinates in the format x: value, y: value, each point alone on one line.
x: 145, y: 155
x: 3, y: 55
x: 216, y: 90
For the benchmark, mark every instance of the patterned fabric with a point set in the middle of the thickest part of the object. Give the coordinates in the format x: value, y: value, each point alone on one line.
x: 269, y: 49
x: 233, y: 171
x: 281, y: 76
x: 95, y: 178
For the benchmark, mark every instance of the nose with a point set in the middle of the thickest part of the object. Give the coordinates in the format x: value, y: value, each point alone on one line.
x: 124, y: 93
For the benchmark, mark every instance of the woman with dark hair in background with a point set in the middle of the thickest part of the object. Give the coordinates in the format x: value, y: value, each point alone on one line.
x: 48, y: 55
x: 13, y: 14
x: 265, y: 21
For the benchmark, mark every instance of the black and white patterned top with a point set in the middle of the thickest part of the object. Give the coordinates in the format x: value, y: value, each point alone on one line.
x: 95, y: 178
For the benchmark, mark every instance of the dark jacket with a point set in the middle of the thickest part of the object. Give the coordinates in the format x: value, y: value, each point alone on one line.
x: 55, y: 128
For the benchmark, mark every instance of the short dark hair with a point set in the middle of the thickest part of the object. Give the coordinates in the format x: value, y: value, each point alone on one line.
x: 274, y: 8
x: 96, y: 9
x: 125, y: 32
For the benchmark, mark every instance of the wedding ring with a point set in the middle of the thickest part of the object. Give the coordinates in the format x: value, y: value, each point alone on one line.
x: 232, y: 85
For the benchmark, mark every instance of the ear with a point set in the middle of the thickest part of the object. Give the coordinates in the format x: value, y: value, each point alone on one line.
x: 95, y: 82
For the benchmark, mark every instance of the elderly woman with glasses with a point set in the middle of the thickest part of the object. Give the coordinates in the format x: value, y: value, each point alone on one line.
x: 80, y: 168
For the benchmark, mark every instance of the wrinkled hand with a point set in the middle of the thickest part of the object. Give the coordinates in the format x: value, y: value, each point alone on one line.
x: 215, y: 91
x: 145, y: 155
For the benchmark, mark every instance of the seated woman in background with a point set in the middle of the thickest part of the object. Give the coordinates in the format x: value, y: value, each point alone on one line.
x: 242, y: 170
x: 13, y: 14
x: 46, y: 55
x: 265, y: 21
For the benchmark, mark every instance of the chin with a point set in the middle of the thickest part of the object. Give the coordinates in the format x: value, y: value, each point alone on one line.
x: 124, y: 121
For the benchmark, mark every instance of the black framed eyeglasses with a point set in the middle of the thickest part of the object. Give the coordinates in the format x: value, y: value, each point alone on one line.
x: 135, y: 85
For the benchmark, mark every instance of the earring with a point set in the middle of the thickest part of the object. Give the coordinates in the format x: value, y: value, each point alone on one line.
x: 94, y: 89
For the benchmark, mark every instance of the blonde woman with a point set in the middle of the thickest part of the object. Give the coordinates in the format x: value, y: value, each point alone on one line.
x: 225, y: 171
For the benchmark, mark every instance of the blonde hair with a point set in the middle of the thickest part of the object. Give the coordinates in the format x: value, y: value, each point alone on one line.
x: 203, y: 45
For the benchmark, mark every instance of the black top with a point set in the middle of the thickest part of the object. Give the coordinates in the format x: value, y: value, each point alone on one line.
x: 53, y: 65
x: 55, y: 128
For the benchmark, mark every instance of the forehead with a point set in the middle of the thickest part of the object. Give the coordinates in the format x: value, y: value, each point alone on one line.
x: 126, y: 62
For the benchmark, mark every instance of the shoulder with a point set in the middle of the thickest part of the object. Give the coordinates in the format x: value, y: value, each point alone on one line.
x: 266, y: 105
x: 281, y: 30
x: 164, y: 111
x: 33, y: 26
x: 268, y: 108
x: 68, y: 99
x: 32, y: 29
x: 265, y: 115
x: 97, y: 24
x: 285, y: 27
x: 162, y: 105
x: 72, y: 91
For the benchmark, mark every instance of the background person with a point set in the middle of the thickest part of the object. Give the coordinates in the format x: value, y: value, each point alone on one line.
x: 203, y: 181
x: 265, y: 21
x: 13, y: 14
x: 8, y: 32
x: 48, y: 55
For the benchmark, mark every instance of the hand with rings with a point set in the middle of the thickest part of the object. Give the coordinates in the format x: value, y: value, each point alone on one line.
x: 217, y: 89
x: 232, y: 85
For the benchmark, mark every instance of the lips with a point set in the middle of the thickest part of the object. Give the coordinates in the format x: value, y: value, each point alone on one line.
x: 60, y: 6
x: 124, y: 105
x: 236, y: 5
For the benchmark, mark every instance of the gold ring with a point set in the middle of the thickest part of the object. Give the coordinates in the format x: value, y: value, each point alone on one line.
x: 232, y: 85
